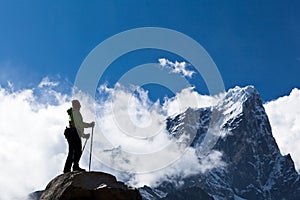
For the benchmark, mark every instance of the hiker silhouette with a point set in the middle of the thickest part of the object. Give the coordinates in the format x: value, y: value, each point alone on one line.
x: 73, y: 134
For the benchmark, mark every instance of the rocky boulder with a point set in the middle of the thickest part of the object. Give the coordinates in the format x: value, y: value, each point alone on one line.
x: 88, y: 186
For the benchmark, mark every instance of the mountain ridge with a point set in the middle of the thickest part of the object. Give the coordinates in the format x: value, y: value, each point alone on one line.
x: 255, y: 168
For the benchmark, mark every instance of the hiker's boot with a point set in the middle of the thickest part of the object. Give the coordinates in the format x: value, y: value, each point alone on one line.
x: 77, y: 168
x: 67, y: 170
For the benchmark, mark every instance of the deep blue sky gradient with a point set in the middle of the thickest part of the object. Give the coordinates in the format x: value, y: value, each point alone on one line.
x: 252, y: 42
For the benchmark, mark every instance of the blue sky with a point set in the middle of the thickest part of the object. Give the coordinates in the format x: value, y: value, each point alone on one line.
x: 251, y: 42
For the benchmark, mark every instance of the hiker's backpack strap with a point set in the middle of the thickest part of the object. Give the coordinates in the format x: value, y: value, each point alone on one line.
x: 71, y: 119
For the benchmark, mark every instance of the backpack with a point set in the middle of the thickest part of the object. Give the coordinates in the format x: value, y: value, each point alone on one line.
x: 71, y: 119
x: 71, y: 129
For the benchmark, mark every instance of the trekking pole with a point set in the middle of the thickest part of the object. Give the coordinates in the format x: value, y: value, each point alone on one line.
x: 91, y: 149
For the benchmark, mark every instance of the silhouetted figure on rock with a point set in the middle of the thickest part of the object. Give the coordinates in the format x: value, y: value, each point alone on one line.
x: 73, y: 135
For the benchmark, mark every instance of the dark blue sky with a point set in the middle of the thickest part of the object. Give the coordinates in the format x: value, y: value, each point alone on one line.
x: 252, y: 42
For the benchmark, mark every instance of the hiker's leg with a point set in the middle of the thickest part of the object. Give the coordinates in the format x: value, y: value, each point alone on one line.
x: 77, y: 152
x: 70, y: 157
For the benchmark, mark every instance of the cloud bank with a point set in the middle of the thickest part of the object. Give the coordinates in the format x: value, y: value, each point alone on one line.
x: 33, y: 148
x: 284, y: 116
x: 132, y: 136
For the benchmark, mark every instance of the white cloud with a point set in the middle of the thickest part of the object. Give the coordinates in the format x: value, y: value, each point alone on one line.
x: 136, y: 129
x: 33, y: 148
x: 284, y: 116
x: 186, y: 165
x: 177, y: 67
x: 189, y: 98
x: 46, y: 82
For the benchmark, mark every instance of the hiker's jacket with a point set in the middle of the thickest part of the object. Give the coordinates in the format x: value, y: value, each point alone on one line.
x: 77, y: 121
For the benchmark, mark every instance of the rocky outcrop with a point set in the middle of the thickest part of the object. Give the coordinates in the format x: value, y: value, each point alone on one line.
x: 88, y: 186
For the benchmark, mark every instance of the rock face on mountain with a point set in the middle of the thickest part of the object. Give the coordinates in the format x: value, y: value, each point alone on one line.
x: 190, y: 193
x: 88, y: 186
x: 238, y: 128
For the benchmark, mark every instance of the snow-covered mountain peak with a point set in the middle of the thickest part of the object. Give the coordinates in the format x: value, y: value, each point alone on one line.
x: 233, y: 103
x: 240, y: 95
x: 231, y: 107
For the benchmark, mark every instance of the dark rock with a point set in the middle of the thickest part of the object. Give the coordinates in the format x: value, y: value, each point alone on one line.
x: 88, y: 186
x: 191, y: 193
x: 35, y: 195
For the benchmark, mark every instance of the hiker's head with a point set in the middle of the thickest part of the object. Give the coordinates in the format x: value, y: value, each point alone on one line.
x: 76, y: 104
